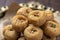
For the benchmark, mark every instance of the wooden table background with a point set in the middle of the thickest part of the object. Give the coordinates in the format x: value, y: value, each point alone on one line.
x: 52, y: 3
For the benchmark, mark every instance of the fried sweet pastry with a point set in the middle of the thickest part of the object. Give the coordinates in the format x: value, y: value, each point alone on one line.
x: 51, y: 29
x: 21, y: 38
x: 24, y: 11
x: 46, y: 38
x: 33, y: 33
x: 19, y: 23
x: 49, y: 15
x: 9, y: 33
x: 37, y: 17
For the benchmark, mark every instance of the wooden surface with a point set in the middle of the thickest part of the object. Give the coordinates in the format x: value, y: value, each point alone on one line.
x: 52, y: 3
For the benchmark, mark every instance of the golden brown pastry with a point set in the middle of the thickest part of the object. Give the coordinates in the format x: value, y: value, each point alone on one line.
x: 37, y: 17
x: 24, y: 11
x: 19, y: 23
x: 46, y: 38
x: 33, y: 33
x: 9, y: 33
x: 21, y: 38
x: 51, y: 29
x: 49, y: 15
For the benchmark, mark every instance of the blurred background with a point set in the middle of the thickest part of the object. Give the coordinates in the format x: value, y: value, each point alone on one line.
x: 51, y: 3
